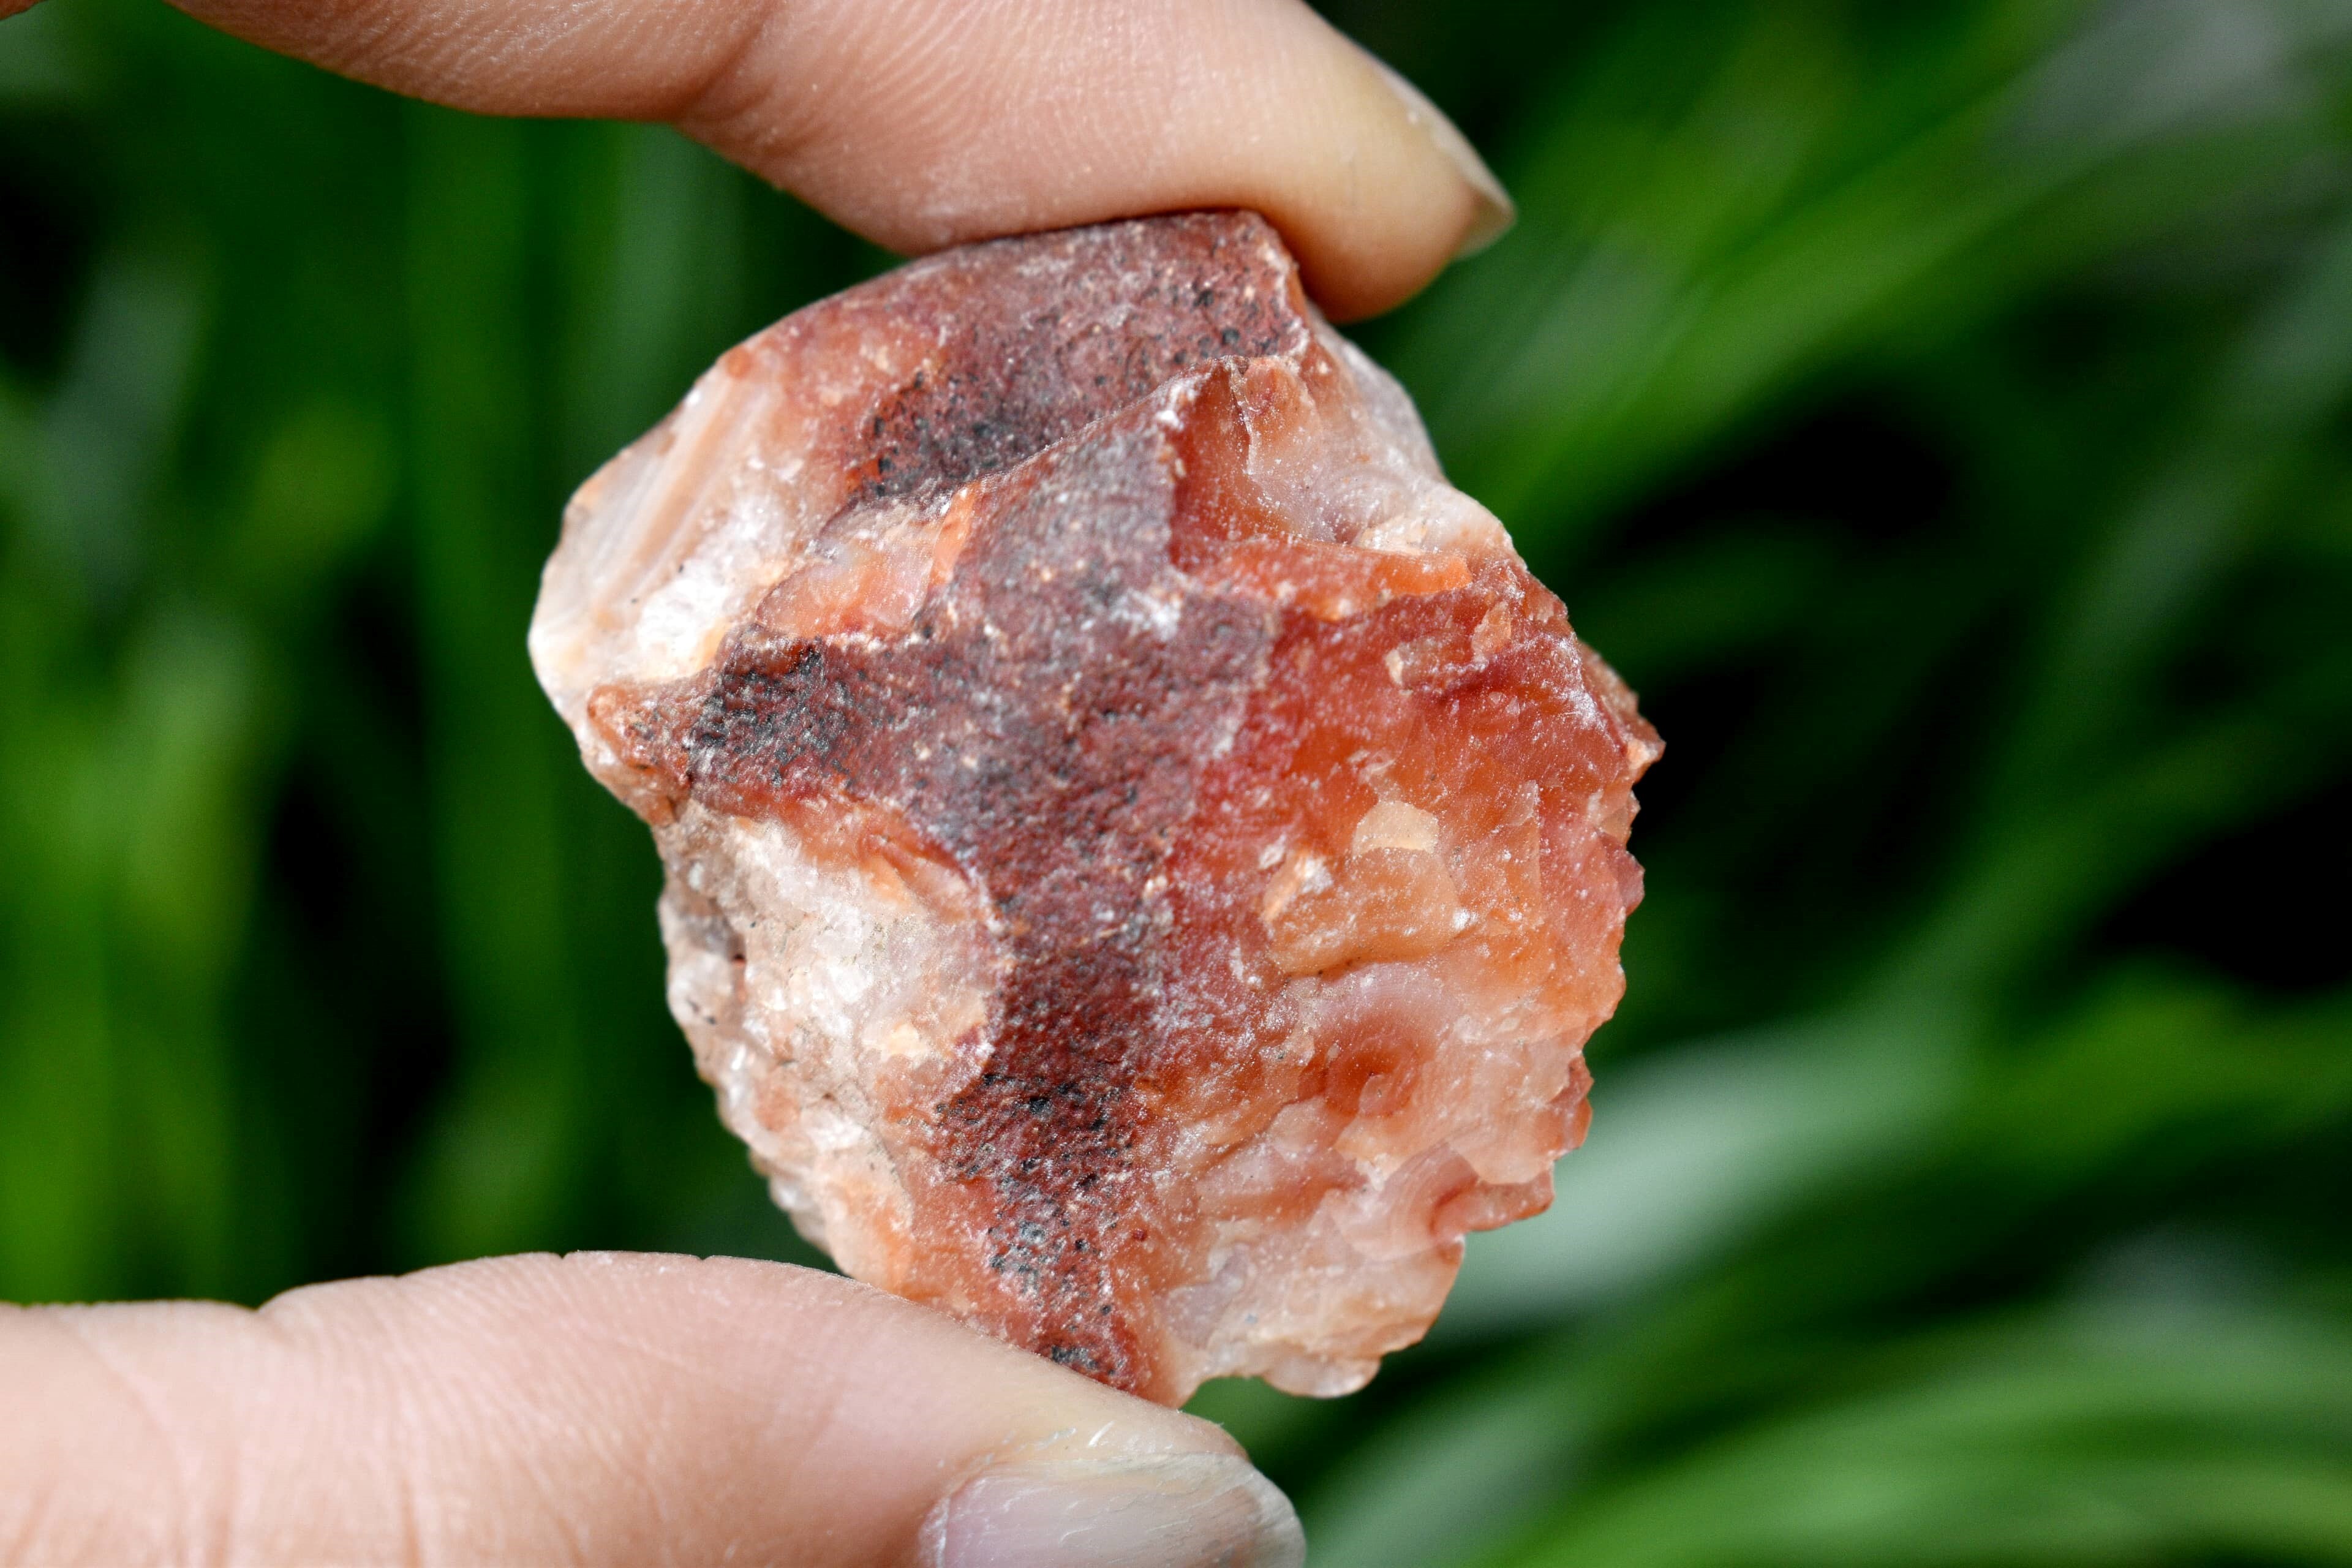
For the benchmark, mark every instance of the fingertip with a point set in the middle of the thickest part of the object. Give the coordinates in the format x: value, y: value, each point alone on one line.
x: 599, y: 1406
x: 928, y: 124
x: 1492, y: 211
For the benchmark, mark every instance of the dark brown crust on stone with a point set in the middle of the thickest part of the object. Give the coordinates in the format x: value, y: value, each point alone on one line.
x: 1046, y: 744
x: 1052, y: 332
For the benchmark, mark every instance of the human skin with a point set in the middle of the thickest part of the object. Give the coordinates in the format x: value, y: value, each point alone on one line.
x: 608, y: 1408
x: 925, y: 123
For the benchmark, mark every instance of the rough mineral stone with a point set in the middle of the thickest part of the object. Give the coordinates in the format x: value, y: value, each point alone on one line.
x: 1144, y: 856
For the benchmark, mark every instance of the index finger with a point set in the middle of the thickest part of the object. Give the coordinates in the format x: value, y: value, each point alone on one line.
x: 925, y: 123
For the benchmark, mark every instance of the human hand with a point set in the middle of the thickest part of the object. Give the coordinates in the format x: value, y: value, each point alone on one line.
x: 601, y: 1408
x: 640, y: 1409
x: 926, y: 123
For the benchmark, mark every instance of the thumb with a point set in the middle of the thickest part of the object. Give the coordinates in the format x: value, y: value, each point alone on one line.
x: 924, y: 123
x: 595, y: 1408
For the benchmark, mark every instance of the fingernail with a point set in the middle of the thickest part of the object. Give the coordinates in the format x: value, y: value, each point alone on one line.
x: 1496, y: 212
x: 1155, y: 1511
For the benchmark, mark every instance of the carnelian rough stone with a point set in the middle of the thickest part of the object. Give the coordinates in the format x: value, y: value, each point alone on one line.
x: 1144, y: 856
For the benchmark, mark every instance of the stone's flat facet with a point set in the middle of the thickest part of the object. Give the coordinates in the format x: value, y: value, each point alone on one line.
x: 1144, y: 854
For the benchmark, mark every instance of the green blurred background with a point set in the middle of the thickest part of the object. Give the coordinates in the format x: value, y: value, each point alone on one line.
x: 1936, y: 410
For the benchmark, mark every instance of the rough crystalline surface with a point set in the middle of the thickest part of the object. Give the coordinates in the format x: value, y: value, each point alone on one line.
x: 1144, y: 856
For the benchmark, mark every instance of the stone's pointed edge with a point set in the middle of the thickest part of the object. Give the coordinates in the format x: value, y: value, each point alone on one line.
x: 1143, y: 854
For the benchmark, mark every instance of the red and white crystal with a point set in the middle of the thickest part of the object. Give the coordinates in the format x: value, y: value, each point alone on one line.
x: 1144, y: 856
